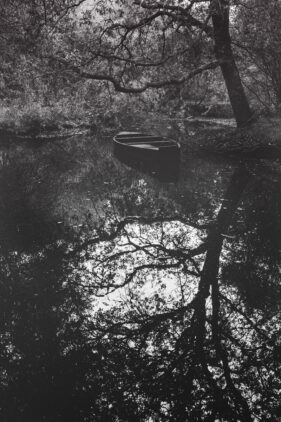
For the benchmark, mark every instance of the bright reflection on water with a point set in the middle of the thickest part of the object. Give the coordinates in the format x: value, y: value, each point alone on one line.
x: 152, y: 299
x: 151, y: 250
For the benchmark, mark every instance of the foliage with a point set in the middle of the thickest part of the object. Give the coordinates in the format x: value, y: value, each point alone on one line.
x: 149, y: 309
x: 259, y: 39
x: 155, y: 49
x: 63, y: 50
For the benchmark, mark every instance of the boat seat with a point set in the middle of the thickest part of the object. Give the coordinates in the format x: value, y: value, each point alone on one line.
x: 139, y: 139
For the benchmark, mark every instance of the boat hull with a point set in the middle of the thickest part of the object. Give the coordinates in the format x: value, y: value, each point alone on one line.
x: 155, y: 155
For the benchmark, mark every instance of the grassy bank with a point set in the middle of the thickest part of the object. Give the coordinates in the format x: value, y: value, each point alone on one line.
x: 199, y: 133
x: 36, y: 119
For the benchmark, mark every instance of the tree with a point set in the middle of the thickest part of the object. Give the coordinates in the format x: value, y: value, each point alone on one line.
x: 23, y: 27
x: 223, y: 51
x: 259, y: 37
x: 136, y: 54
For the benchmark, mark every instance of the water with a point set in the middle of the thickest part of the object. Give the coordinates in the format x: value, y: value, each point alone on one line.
x: 151, y: 298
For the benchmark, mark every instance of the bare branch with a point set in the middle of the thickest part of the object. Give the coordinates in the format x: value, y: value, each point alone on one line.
x: 178, y: 13
x: 137, y: 90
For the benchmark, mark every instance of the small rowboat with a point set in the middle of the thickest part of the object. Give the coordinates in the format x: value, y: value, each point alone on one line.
x: 142, y: 146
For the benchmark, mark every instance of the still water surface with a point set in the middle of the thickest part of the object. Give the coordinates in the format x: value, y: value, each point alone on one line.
x: 93, y: 251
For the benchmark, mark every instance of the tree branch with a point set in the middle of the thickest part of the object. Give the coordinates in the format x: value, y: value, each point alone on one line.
x: 136, y: 90
x: 179, y: 13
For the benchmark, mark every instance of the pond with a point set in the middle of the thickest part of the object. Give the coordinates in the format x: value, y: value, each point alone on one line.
x: 125, y: 297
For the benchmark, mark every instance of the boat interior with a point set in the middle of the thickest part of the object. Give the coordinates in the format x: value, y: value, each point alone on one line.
x: 142, y: 140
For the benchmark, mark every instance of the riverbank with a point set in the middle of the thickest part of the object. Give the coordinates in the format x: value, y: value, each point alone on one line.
x: 198, y: 134
x: 37, y: 120
x: 262, y: 139
x: 205, y: 135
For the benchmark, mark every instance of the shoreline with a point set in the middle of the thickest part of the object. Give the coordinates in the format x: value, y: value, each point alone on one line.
x: 204, y: 135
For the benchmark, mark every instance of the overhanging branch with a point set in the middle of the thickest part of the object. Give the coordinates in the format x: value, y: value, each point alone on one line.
x: 178, y: 13
x: 137, y: 90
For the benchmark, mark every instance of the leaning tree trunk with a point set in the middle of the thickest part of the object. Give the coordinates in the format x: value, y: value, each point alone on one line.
x: 224, y: 53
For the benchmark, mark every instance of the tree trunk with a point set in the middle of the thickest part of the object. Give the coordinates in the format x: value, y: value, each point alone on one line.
x: 223, y: 51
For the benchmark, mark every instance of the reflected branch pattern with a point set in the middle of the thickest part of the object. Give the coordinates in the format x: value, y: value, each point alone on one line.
x: 194, y: 341
x: 146, y: 318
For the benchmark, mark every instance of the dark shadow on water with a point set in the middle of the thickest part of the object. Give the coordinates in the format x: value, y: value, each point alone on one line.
x: 165, y: 169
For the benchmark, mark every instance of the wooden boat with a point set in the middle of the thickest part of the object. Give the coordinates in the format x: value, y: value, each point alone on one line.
x: 140, y: 146
x: 156, y: 155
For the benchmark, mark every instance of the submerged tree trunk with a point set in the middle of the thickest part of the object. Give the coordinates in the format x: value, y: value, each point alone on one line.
x: 223, y: 51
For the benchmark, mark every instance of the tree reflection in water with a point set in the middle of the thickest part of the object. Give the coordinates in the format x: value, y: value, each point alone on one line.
x: 149, y: 318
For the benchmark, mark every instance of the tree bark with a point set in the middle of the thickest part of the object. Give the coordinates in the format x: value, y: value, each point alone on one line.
x: 224, y: 53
